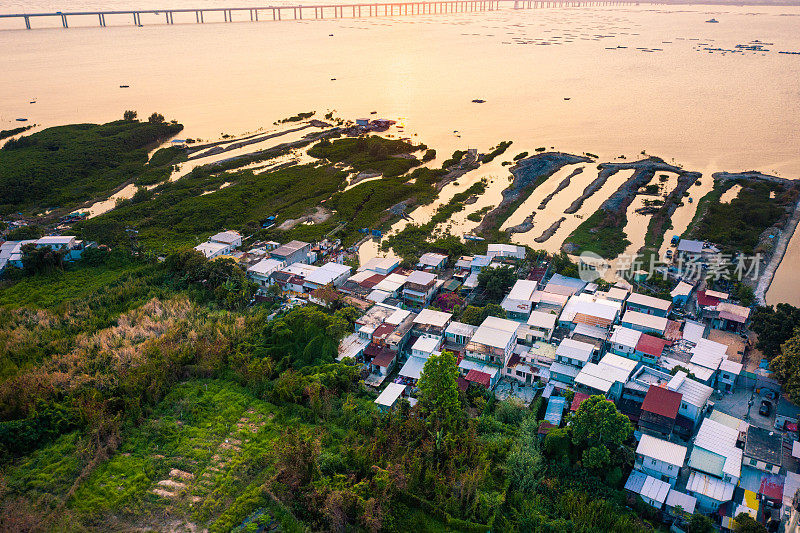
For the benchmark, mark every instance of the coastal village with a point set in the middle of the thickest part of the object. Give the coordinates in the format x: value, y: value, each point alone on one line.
x: 716, y: 435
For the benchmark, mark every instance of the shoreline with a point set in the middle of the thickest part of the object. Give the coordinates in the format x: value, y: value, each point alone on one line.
x: 765, y: 280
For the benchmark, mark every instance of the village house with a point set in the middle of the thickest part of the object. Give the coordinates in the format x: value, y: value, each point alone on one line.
x: 431, y: 261
x: 380, y: 265
x: 649, y: 349
x: 231, y: 238
x: 659, y: 411
x: 391, y: 396
x: 623, y: 341
x: 644, y: 322
x: 652, y: 491
x: 695, y: 251
x: 564, y: 285
x: 419, y: 289
x: 11, y: 251
x: 681, y: 293
x: 648, y: 305
x: 261, y: 272
x: 334, y: 274
x: 716, y: 464
x: 763, y: 450
x: 730, y: 317
x: 519, y: 302
x: 571, y: 357
x: 505, y: 251
x: 587, y: 309
x: 431, y: 323
x: 292, y: 252
x: 212, y: 250
x: 660, y: 458
x: 549, y: 302
x: 541, y: 325
x: 606, y: 377
x: 694, y: 397
x: 493, y: 341
x: 457, y: 335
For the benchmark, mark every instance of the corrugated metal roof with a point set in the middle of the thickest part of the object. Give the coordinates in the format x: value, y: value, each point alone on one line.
x: 542, y: 319
x: 649, y: 301
x: 625, y: 336
x: 662, y: 450
x: 390, y: 394
x: 711, y: 487
x: 721, y: 440
x: 657, y: 323
x: 677, y: 498
x: 647, y: 487
x: 433, y: 318
x: 573, y: 349
x: 693, y: 331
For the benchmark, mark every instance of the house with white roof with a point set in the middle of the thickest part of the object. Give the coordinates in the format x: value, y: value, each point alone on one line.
x: 730, y: 317
x: 548, y: 301
x: 693, y: 331
x: 617, y: 294
x: 392, y: 284
x: 426, y: 346
x: 588, y: 309
x: 212, y: 250
x: 571, y: 357
x: 541, y: 325
x: 431, y: 261
x: 608, y: 377
x: 644, y: 322
x: 710, y: 492
x: 505, y: 250
x: 519, y: 302
x: 431, y: 323
x: 728, y: 374
x: 691, y: 250
x: 412, y: 369
x: 419, y: 289
x: 231, y: 238
x: 390, y: 396
x: 457, y: 335
x: 478, y: 263
x: 328, y: 274
x: 676, y: 498
x: 493, y: 341
x: 652, y: 491
x: 648, y: 305
x: 564, y: 285
x: 623, y: 341
x: 715, y: 452
x: 262, y: 271
x: 380, y: 265
x: 292, y: 252
x: 660, y: 458
x: 694, y: 397
x: 680, y: 294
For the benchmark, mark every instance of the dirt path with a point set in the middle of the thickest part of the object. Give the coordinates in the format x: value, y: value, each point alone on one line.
x: 777, y: 256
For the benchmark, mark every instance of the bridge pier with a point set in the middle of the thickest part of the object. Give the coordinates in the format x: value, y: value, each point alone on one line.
x: 28, y: 22
x: 64, y: 21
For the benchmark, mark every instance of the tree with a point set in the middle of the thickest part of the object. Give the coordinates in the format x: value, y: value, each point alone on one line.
x: 41, y: 259
x: 747, y: 524
x: 438, y: 387
x: 156, y: 118
x: 476, y: 315
x: 129, y: 115
x: 596, y: 457
x: 698, y: 523
x: 597, y: 422
x: 496, y: 281
x: 787, y: 367
x: 774, y: 326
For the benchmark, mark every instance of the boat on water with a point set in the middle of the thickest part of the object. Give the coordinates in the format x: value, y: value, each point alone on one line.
x: 713, y: 21
x: 22, y: 120
x: 124, y: 86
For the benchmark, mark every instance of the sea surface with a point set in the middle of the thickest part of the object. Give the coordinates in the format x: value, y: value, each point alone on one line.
x: 610, y: 81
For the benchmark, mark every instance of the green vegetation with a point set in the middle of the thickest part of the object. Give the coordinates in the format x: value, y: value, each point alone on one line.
x: 389, y: 157
x: 499, y: 150
x: 601, y: 233
x: 5, y: 134
x: 738, y: 225
x: 413, y: 239
x: 496, y: 282
x: 774, y: 325
x: 67, y: 165
x: 520, y: 155
x: 298, y: 117
x: 458, y: 155
x: 477, y: 216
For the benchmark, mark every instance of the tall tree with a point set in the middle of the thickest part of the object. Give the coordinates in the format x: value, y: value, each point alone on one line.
x: 597, y: 422
x: 787, y: 367
x: 496, y: 281
x: 438, y: 386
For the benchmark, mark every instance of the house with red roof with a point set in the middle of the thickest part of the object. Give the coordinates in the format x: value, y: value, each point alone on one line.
x: 649, y: 348
x: 659, y: 411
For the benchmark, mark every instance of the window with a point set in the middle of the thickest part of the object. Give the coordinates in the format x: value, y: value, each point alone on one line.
x: 753, y: 462
x: 652, y: 461
x: 684, y: 406
x: 669, y: 467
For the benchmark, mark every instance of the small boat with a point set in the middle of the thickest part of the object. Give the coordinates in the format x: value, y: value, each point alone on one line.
x: 124, y: 86
x: 22, y: 120
x: 478, y: 101
x: 713, y: 21
x: 567, y: 98
x: 691, y: 200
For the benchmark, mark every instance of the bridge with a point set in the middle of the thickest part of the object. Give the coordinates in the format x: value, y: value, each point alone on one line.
x: 313, y: 12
